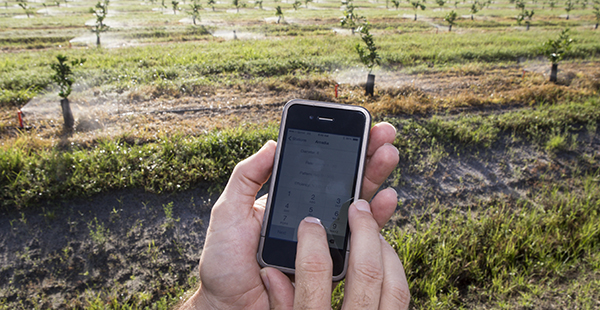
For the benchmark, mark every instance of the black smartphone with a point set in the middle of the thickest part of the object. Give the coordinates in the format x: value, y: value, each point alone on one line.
x: 317, y: 171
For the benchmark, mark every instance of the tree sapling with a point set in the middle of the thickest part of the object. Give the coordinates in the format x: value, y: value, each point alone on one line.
x: 63, y: 76
x: 417, y: 4
x: 450, y: 18
x: 555, y: 51
x: 368, y: 56
x: 195, y: 9
x: 100, y: 11
x: 350, y: 19
x: 278, y: 13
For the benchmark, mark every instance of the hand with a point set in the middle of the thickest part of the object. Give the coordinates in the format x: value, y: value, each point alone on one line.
x: 375, y: 278
x: 229, y: 273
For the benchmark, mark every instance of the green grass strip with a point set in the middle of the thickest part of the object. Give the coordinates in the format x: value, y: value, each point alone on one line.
x: 171, y: 163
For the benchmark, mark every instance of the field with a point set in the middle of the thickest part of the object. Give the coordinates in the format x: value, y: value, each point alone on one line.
x: 498, y: 181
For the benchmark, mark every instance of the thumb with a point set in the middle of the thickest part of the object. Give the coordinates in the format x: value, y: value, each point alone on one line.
x: 279, y: 288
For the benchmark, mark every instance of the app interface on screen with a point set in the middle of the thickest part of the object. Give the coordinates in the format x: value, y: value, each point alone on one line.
x: 316, y: 179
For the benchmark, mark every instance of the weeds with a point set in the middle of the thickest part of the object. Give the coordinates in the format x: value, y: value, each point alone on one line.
x: 98, y: 233
x: 499, y: 249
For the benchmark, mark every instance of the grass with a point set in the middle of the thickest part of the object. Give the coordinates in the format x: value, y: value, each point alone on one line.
x: 167, y: 164
x: 494, y: 252
x: 498, y: 253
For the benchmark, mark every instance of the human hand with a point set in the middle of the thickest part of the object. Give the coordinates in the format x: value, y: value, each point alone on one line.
x: 229, y: 272
x: 375, y: 277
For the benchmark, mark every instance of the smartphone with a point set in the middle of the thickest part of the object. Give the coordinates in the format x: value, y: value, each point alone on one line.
x: 317, y: 171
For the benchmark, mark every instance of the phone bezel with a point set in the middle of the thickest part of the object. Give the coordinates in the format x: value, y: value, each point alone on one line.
x: 284, y: 248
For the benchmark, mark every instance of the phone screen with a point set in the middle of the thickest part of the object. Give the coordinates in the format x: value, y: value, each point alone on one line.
x: 316, y: 179
x: 317, y: 168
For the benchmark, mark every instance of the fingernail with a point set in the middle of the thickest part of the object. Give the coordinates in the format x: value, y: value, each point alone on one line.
x: 395, y: 148
x: 381, y: 237
x: 265, y: 278
x: 313, y: 220
x: 362, y: 205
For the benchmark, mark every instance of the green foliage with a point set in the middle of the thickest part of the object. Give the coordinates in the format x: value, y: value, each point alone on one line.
x: 278, y: 13
x: 368, y: 56
x: 195, y: 8
x: 555, y: 50
x: 169, y: 164
x: 25, y: 6
x: 100, y: 11
x: 296, y: 4
x: 350, y: 18
x: 417, y: 4
x: 498, y: 249
x: 237, y: 4
x: 63, y: 74
x: 175, y: 5
x: 450, y: 18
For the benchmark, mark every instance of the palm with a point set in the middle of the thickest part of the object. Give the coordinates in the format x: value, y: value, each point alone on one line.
x: 230, y: 272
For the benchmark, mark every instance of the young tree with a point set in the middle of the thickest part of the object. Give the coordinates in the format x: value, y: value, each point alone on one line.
x: 25, y: 6
x: 440, y: 3
x: 555, y: 51
x: 450, y: 18
x: 278, y: 13
x: 350, y: 19
x: 475, y: 7
x: 296, y: 4
x: 212, y: 4
x: 100, y: 11
x: 396, y: 3
x: 569, y: 7
x: 195, y: 9
x: 417, y: 4
x: 238, y: 4
x: 258, y: 3
x: 175, y: 5
x: 63, y: 76
x: 306, y: 3
x: 524, y: 14
x: 368, y: 55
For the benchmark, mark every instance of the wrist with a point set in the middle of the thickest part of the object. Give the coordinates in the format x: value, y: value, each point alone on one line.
x: 198, y: 301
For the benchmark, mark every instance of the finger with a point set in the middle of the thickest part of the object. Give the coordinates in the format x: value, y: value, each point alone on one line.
x: 380, y: 134
x: 378, y: 168
x: 395, y: 293
x: 279, y: 287
x: 384, y: 205
x: 365, y: 266
x: 314, y: 268
x: 246, y: 180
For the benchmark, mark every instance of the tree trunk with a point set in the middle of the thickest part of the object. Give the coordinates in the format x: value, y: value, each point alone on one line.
x: 596, y: 26
x: 415, y: 16
x: 370, y: 87
x: 450, y: 28
x: 98, y: 39
x: 553, y: 73
x: 471, y: 16
x: 527, y: 26
x: 67, y: 114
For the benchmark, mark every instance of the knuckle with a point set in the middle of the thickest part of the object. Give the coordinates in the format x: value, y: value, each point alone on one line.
x: 315, y: 264
x: 369, y: 273
x: 397, y: 294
